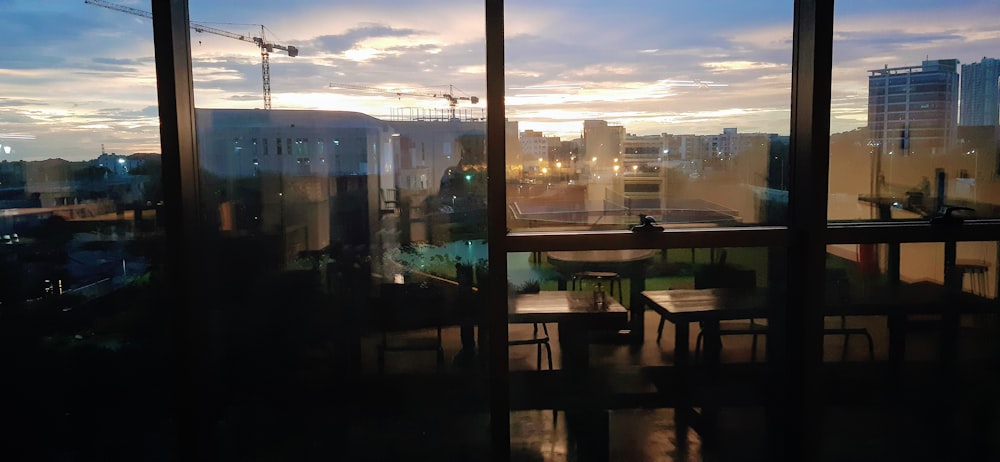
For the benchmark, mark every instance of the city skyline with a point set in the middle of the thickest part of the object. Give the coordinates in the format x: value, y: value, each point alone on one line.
x: 981, y: 93
x: 81, y: 76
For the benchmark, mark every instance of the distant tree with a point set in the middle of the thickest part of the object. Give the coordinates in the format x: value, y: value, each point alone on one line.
x: 152, y: 169
x: 777, y: 166
x: 473, y: 149
x: 91, y: 173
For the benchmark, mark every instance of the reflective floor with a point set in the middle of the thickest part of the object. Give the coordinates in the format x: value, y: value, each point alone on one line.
x: 922, y: 412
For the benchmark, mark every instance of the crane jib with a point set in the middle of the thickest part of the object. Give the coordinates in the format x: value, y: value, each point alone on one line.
x: 265, y: 47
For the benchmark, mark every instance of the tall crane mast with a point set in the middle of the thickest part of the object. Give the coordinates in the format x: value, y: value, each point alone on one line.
x: 265, y: 47
x: 450, y: 96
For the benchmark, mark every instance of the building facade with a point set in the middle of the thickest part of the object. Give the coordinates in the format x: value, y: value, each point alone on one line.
x: 980, y: 93
x: 534, y: 151
x: 603, y: 144
x: 913, y: 110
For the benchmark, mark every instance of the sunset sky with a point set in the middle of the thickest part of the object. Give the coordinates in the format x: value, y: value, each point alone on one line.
x: 76, y: 76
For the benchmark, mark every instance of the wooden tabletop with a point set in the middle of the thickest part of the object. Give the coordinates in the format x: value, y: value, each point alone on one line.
x: 921, y: 297
x: 688, y: 305
x: 565, y: 306
x: 602, y: 256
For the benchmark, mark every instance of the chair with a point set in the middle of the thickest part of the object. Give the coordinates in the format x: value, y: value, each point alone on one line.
x: 415, y: 310
x: 719, y: 276
x: 598, y: 276
x: 847, y: 332
x: 837, y: 290
x: 836, y: 284
x: 977, y: 271
x: 538, y: 341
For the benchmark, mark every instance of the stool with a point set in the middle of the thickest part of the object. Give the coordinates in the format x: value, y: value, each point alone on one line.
x: 977, y: 270
x: 598, y: 276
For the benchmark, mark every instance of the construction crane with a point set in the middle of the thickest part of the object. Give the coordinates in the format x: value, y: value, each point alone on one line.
x: 450, y: 96
x: 265, y: 47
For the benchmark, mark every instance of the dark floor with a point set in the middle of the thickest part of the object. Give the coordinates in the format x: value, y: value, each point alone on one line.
x: 924, y: 411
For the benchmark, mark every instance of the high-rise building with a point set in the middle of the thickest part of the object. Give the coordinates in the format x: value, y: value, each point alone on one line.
x: 603, y: 143
x: 913, y: 110
x: 534, y: 150
x: 981, y: 93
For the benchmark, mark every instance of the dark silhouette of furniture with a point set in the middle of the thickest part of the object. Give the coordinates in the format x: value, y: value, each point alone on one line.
x: 610, y: 277
x: 575, y: 316
x: 409, y: 318
x: 977, y: 271
x: 539, y: 341
x: 709, y: 308
x: 629, y: 263
x: 838, y: 291
x: 720, y: 276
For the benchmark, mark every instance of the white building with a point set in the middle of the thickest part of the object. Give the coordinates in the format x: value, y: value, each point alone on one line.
x: 534, y: 151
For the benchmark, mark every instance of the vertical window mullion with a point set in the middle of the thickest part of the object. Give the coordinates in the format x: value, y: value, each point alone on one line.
x: 497, y: 232
x: 175, y: 94
x: 798, y: 347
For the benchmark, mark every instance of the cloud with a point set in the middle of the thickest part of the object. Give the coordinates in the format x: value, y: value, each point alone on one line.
x: 721, y: 66
x: 238, y: 97
x: 13, y: 117
x: 862, y: 45
x: 564, y: 60
x: 14, y: 102
x: 354, y: 37
x: 146, y: 112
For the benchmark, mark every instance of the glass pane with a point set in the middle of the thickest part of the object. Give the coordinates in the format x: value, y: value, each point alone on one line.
x: 347, y: 233
x: 904, y: 322
x: 678, y: 112
x: 612, y: 351
x: 82, y: 327
x: 915, y: 113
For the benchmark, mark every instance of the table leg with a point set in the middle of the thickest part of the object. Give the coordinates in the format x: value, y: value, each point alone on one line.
x: 949, y: 340
x: 637, y: 308
x: 708, y: 419
x: 681, y: 339
x: 589, y: 431
x: 574, y: 348
x: 713, y: 342
x: 587, y: 425
x: 897, y: 339
x: 950, y: 321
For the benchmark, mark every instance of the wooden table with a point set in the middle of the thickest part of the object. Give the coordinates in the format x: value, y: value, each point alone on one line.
x: 707, y: 306
x: 629, y: 263
x: 898, y: 302
x: 575, y: 315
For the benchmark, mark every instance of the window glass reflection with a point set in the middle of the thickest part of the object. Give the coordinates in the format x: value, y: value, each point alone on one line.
x: 915, y: 128
x: 83, y: 333
x: 347, y: 225
x: 683, y: 115
x: 641, y: 323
